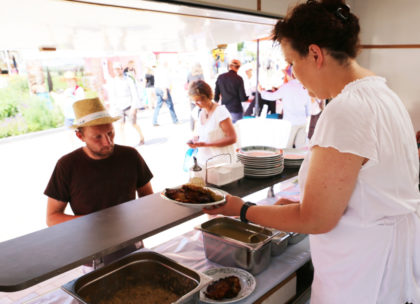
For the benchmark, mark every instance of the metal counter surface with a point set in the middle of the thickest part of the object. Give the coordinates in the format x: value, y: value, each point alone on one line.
x: 33, y: 258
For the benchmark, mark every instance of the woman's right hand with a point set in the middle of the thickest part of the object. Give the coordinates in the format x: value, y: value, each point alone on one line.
x: 232, y: 207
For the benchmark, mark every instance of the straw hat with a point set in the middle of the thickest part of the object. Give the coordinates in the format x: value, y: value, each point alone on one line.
x: 91, y: 112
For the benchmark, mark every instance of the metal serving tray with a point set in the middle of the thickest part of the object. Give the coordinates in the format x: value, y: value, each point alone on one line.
x: 232, y: 243
x: 279, y: 243
x: 138, y: 269
x: 296, y: 237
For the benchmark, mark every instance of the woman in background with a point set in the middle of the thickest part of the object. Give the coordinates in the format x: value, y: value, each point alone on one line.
x: 215, y: 133
x: 359, y: 197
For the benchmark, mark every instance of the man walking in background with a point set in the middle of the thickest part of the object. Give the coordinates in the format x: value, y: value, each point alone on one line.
x: 163, y: 93
x: 230, y: 89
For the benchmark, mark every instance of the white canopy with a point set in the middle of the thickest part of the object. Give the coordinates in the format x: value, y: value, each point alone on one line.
x: 124, y: 25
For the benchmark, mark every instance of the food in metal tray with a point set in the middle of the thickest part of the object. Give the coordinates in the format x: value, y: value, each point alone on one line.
x: 194, y: 194
x: 141, y: 293
x: 224, y: 288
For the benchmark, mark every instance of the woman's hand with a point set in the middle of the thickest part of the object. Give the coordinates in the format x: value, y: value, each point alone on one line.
x: 197, y: 144
x: 232, y: 206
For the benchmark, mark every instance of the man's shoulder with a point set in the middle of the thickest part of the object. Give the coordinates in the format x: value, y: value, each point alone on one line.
x: 125, y: 151
x: 72, y: 155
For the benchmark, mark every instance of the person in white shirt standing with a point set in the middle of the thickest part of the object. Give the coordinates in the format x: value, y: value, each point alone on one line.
x: 359, y: 197
x: 124, y: 99
x: 296, y: 109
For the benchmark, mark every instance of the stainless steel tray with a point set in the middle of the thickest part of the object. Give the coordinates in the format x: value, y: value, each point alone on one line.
x: 279, y: 243
x: 139, y: 269
x: 232, y: 243
x: 296, y: 237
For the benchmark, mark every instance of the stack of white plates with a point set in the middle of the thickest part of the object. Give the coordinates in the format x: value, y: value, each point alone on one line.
x: 261, y: 161
x: 293, y: 158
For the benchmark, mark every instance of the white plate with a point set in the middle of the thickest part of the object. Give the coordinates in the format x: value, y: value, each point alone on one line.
x: 246, y: 279
x: 198, y: 205
x: 259, y: 152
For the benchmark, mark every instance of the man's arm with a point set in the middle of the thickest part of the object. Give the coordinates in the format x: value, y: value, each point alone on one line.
x: 217, y: 91
x: 55, y: 212
x: 145, y: 190
x: 242, y: 94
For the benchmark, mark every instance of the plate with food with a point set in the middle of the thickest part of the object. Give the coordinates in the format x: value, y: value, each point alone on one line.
x: 190, y: 195
x: 230, y: 285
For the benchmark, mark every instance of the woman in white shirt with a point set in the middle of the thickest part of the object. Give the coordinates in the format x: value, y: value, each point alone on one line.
x: 359, y: 199
x: 215, y: 133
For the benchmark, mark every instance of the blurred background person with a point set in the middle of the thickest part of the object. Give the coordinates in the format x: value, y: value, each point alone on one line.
x: 214, y: 128
x: 317, y: 105
x: 124, y: 99
x: 149, y: 79
x: 163, y: 93
x: 195, y: 74
x: 231, y: 91
x: 296, y: 109
x: 70, y: 95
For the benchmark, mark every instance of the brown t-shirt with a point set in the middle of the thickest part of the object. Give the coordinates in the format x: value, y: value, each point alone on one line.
x: 91, y: 185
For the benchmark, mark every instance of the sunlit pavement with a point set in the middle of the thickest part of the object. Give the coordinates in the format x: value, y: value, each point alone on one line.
x: 26, y: 165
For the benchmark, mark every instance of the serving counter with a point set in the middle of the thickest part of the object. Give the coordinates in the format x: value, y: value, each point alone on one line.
x: 30, y: 259
x: 188, y: 250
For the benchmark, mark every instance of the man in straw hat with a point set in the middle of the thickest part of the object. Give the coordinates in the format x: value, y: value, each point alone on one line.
x: 98, y: 175
x: 230, y: 88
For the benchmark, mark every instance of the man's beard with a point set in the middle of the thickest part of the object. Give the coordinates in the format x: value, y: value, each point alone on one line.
x: 103, y: 153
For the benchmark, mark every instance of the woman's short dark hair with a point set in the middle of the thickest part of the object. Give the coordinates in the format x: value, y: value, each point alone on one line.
x: 200, y: 88
x: 327, y: 23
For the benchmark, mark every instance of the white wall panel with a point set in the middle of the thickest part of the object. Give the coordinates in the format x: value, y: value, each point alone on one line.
x: 279, y: 7
x: 242, y: 4
x: 389, y: 21
x: 393, y: 22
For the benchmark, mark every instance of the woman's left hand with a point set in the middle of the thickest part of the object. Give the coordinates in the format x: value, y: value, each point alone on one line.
x: 197, y: 144
x: 232, y: 206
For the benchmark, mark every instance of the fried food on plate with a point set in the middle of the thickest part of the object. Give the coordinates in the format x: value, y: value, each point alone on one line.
x: 193, y: 194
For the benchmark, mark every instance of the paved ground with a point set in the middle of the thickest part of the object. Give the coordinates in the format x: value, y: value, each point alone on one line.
x: 26, y: 165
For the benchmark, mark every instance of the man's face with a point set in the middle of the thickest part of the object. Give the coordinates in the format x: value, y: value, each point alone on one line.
x: 99, y: 140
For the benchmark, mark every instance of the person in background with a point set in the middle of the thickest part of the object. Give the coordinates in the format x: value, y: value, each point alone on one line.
x: 98, y: 175
x: 359, y: 197
x: 215, y: 132
x: 125, y: 100
x: 418, y: 147
x: 71, y: 94
x: 317, y: 105
x: 296, y: 104
x: 230, y: 89
x: 130, y: 70
x: 418, y: 141
x: 195, y: 74
x: 163, y: 93
x: 150, y: 87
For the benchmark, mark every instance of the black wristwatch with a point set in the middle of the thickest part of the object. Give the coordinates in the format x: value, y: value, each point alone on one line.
x: 244, y: 209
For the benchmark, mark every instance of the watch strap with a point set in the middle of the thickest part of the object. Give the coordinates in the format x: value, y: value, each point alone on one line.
x: 244, y: 209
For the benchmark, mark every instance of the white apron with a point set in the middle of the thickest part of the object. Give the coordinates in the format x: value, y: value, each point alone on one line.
x: 373, y: 254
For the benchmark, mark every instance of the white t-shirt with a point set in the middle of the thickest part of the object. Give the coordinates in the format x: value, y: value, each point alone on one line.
x: 123, y: 94
x: 210, y: 132
x: 373, y: 254
x: 295, y: 100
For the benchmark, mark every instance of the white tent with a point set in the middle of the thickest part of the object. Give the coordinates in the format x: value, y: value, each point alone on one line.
x: 124, y: 25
